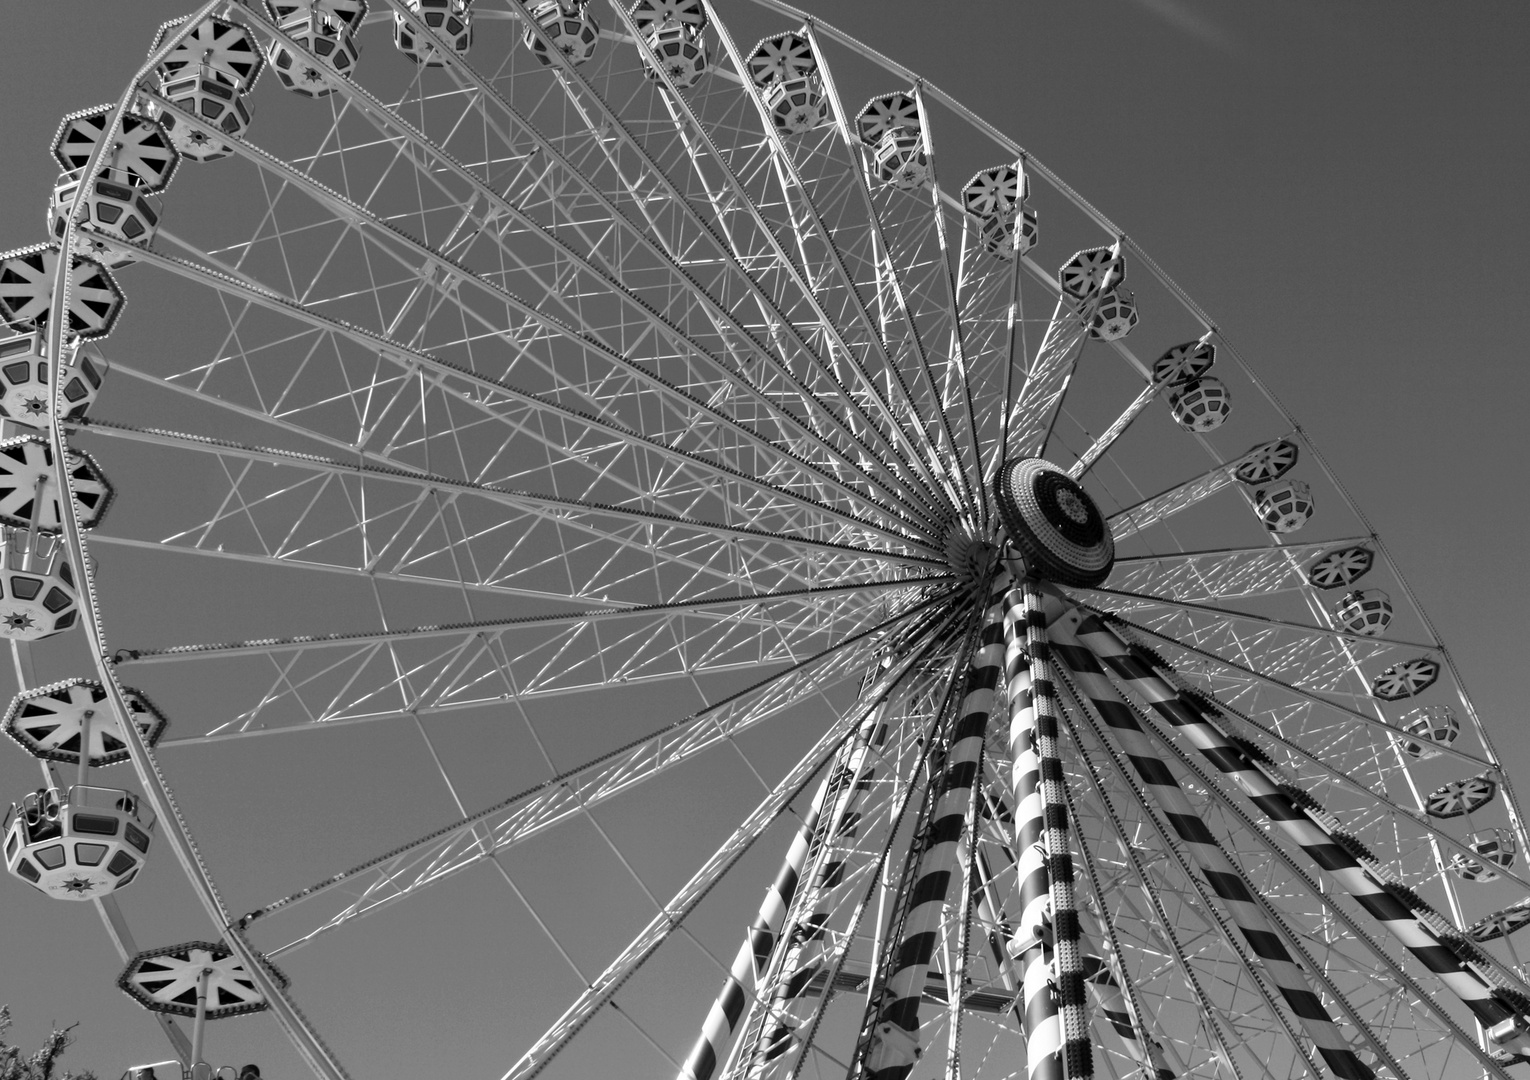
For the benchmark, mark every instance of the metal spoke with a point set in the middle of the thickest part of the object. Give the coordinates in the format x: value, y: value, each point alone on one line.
x: 1222, y: 574
x: 445, y: 274
x: 1349, y: 714
x: 515, y: 401
x: 1182, y: 496
x: 501, y: 206
x: 1101, y: 445
x: 1046, y: 381
x: 1233, y: 904
x: 1139, y: 601
x: 698, y: 543
x: 414, y: 866
x: 379, y: 676
x: 1424, y: 999
x: 669, y: 918
x: 900, y: 297
x: 971, y: 454
x: 572, y: 77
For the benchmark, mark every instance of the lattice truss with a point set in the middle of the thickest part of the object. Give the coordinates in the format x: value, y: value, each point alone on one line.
x: 526, y: 378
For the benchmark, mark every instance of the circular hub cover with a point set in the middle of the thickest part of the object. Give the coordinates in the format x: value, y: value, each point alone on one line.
x: 1054, y: 523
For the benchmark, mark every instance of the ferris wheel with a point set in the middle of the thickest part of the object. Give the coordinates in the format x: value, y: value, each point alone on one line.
x: 785, y: 587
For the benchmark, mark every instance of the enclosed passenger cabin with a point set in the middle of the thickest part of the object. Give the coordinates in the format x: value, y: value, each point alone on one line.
x: 111, y: 207
x: 679, y: 54
x: 568, y: 29
x: 1115, y: 316
x: 899, y: 158
x: 1366, y: 612
x: 38, y: 597
x: 999, y: 237
x: 1496, y: 849
x: 77, y: 843
x: 331, y: 43
x: 452, y: 20
x: 1200, y: 404
x: 891, y: 128
x: 785, y: 70
x: 205, y: 93
x: 24, y: 394
x: 1285, y: 506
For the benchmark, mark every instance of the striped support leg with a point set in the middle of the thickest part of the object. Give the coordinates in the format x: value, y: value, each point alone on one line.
x: 1112, y: 1005
x: 844, y: 878
x: 717, y: 1031
x: 1068, y: 958
x: 1098, y: 974
x: 1043, y: 1031
x: 1242, y: 907
x: 807, y: 952
x: 893, y: 1047
x: 1302, y: 819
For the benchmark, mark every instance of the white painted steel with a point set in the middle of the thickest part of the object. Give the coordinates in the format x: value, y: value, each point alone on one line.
x: 717, y: 409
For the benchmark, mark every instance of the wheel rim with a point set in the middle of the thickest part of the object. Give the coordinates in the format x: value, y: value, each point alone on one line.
x: 826, y: 537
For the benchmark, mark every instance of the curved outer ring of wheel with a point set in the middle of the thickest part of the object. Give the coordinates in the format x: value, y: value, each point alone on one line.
x: 1055, y: 545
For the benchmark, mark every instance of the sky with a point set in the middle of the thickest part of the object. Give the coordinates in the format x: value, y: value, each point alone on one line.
x: 1339, y: 185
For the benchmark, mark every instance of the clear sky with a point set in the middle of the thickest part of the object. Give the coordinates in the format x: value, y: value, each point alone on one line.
x: 1341, y: 185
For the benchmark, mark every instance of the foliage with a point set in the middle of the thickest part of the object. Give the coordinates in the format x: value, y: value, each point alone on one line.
x: 40, y: 1066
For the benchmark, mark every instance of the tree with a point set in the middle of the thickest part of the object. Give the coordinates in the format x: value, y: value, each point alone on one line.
x: 40, y: 1066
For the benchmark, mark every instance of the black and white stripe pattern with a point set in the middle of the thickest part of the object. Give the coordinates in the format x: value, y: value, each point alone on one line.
x: 1242, y: 907
x: 1056, y: 1025
x: 1098, y: 974
x: 1112, y: 1005
x: 722, y: 1019
x: 892, y: 1050
x: 1310, y: 828
x: 1067, y: 969
x: 808, y: 951
x: 1039, y: 1021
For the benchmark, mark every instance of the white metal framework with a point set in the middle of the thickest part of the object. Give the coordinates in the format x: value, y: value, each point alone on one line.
x: 591, y: 379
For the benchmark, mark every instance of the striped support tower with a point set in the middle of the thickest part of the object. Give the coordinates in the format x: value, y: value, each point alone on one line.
x: 1043, y: 1031
x: 1098, y: 975
x: 717, y: 1032
x: 1242, y: 907
x: 807, y: 950
x: 893, y: 1046
x: 1112, y: 1005
x: 1307, y: 825
x: 1056, y: 1029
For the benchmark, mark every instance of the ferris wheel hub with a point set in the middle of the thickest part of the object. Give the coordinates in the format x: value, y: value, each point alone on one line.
x: 968, y: 556
x: 1053, y: 523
